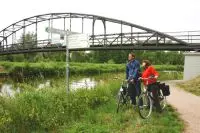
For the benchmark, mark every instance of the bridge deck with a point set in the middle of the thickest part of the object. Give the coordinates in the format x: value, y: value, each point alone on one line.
x: 171, y: 47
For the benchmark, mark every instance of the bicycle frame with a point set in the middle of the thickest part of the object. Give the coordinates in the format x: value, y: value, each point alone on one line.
x: 145, y: 88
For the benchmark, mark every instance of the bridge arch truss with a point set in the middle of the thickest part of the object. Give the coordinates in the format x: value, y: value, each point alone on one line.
x: 138, y: 37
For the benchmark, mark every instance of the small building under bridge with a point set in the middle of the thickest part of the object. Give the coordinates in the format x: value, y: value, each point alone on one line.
x: 191, y: 65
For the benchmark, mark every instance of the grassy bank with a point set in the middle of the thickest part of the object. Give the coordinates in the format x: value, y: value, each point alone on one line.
x: 86, y: 111
x: 170, y: 75
x: 58, y: 68
x: 192, y: 85
x: 105, y: 120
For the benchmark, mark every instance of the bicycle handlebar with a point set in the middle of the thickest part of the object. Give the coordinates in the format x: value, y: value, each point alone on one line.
x: 140, y: 78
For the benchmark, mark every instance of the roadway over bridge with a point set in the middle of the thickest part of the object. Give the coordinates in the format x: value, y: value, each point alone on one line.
x: 129, y: 36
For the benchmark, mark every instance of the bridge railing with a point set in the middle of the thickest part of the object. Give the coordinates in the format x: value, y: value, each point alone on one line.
x: 191, y: 37
x: 117, y: 39
x: 136, y: 38
x: 26, y: 45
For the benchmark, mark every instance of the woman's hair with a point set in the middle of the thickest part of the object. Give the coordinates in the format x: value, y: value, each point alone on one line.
x: 147, y: 63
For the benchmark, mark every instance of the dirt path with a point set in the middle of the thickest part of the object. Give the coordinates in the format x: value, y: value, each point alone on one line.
x: 188, y: 105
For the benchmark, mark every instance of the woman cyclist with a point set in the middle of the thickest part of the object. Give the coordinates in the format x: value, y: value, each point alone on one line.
x: 149, y: 76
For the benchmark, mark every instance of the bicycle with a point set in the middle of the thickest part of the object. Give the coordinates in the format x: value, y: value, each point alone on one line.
x: 123, y: 97
x: 162, y: 98
x: 147, y: 99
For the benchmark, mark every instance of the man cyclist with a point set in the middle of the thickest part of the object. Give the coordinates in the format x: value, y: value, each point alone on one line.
x: 132, y: 75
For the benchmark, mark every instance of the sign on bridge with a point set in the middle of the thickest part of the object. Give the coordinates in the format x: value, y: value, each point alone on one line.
x: 78, y: 41
x: 59, y: 31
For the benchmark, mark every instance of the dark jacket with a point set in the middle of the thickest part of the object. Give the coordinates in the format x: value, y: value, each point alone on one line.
x: 132, y: 70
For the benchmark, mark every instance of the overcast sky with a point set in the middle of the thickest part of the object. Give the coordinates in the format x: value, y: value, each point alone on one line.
x: 161, y: 15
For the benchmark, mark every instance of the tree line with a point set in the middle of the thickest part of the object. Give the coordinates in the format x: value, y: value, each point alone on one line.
x: 118, y: 57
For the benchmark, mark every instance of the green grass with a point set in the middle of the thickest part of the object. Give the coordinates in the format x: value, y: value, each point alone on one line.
x: 105, y: 120
x: 169, y: 67
x: 170, y: 75
x: 192, y: 85
x: 83, y: 111
x: 48, y: 109
x: 58, y: 68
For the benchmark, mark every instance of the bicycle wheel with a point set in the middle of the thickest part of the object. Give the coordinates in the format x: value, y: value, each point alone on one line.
x: 145, y: 108
x: 122, y: 100
x: 162, y: 100
x: 119, y: 101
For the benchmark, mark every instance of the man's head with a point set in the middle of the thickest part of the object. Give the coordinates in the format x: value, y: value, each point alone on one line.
x: 131, y: 56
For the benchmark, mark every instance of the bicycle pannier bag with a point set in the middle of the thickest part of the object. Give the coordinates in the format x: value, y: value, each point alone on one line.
x: 166, y: 90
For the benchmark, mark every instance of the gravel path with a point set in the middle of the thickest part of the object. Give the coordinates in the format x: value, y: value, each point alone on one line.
x: 188, y: 105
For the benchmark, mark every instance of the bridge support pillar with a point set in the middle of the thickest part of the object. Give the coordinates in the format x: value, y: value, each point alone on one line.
x: 191, y: 65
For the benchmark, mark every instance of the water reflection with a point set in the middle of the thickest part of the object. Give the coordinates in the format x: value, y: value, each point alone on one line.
x: 44, y: 85
x: 8, y: 90
x: 8, y: 87
x: 85, y: 83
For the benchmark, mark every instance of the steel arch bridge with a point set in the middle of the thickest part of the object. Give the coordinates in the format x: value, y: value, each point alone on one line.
x: 137, y: 37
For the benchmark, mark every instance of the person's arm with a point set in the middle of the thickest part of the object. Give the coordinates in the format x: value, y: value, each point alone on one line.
x: 136, y: 70
x: 127, y: 71
x: 154, y: 72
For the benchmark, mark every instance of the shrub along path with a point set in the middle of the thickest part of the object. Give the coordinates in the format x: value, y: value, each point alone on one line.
x: 188, y: 105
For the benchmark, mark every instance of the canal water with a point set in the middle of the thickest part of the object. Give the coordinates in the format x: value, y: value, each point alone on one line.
x: 10, y: 86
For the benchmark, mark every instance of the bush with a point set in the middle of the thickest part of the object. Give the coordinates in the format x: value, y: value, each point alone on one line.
x: 48, y: 109
x: 111, y: 61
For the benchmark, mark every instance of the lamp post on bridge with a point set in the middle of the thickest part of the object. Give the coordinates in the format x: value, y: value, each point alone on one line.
x: 66, y: 33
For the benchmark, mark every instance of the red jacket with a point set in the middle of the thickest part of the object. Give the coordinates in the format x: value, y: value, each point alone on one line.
x: 150, y: 71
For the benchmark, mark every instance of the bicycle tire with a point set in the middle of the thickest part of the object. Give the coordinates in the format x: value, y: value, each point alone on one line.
x: 163, y: 103
x: 147, y: 106
x: 162, y: 100
x: 119, y: 101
